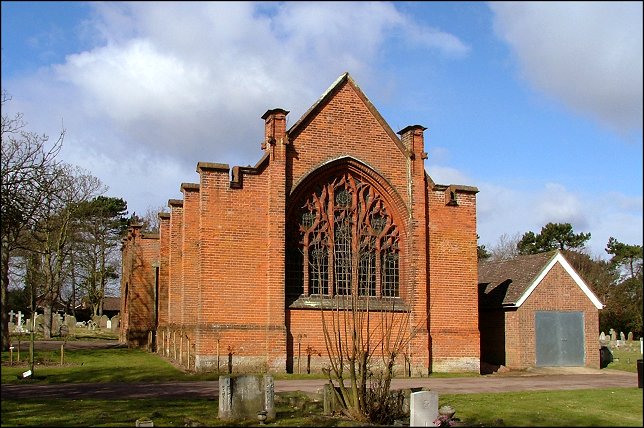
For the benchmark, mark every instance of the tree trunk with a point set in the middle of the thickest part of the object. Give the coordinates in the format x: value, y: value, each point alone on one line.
x: 5, y: 286
x: 46, y: 330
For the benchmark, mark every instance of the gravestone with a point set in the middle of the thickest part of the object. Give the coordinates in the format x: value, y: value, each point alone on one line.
x: 39, y: 322
x: 329, y: 399
x: 613, y: 334
x: 115, y: 323
x: 241, y: 397
x: 630, y: 335
x: 55, y: 322
x: 602, y: 337
x: 102, y: 322
x: 423, y: 408
x: 622, y: 336
x: 70, y: 321
x: 20, y: 322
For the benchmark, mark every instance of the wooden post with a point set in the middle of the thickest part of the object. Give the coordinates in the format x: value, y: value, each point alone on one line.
x: 217, y: 356
x: 62, y: 354
x: 188, y: 353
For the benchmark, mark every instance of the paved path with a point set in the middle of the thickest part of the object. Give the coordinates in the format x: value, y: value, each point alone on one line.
x: 540, y: 380
x: 531, y: 380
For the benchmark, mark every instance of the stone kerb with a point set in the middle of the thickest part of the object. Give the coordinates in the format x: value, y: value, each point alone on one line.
x: 242, y: 397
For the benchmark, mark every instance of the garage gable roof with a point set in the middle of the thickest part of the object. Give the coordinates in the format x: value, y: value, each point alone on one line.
x: 523, y: 274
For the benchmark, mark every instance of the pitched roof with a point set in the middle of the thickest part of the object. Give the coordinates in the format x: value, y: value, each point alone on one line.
x: 344, y: 79
x: 111, y: 303
x: 510, y: 282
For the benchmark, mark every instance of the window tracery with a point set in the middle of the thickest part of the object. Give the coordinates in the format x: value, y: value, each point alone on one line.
x: 345, y: 242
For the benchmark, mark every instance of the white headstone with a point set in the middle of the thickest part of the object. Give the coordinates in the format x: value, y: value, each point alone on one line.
x: 19, y: 323
x: 109, y: 324
x: 423, y: 408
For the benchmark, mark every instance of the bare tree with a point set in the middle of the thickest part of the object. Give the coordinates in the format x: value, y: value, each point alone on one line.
x: 28, y: 170
x: 350, y: 250
x: 506, y: 247
x: 150, y: 219
x: 52, y: 234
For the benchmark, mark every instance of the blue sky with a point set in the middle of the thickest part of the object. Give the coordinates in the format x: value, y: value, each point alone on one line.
x: 539, y: 105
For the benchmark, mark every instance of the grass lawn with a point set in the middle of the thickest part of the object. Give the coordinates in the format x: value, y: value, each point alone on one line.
x: 625, y: 360
x: 596, y: 407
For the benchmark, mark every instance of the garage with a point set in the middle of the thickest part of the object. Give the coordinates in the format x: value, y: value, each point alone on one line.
x: 536, y: 311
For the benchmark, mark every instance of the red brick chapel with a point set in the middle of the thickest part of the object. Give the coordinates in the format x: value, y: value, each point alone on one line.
x: 225, y: 277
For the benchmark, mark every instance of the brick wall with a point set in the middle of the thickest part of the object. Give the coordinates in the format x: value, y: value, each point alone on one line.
x: 222, y: 247
x: 175, y: 288
x: 556, y: 292
x: 138, y: 286
x: 164, y: 248
x: 453, y: 279
x: 190, y: 261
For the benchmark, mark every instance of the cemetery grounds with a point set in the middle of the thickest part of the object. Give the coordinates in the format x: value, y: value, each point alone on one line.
x: 79, y: 364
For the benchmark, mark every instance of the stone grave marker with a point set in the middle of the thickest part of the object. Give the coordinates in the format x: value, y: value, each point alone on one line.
x: 329, y: 399
x: 115, y: 323
x: 55, y: 322
x: 102, y: 322
x: 21, y: 322
x: 70, y: 321
x: 630, y: 335
x: 423, y: 408
x: 39, y: 322
x: 242, y: 397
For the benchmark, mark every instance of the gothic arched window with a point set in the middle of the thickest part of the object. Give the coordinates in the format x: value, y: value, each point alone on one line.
x: 343, y: 241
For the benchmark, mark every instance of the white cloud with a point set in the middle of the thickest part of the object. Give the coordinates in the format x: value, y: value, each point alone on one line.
x: 447, y: 175
x: 554, y: 204
x: 505, y: 210
x: 169, y: 84
x: 586, y: 54
x: 172, y: 84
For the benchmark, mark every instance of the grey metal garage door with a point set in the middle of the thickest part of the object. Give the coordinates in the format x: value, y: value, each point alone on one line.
x: 559, y: 338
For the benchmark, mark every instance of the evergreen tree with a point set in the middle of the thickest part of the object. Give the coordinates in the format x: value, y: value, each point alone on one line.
x: 101, y: 223
x: 553, y: 236
x: 626, y: 263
